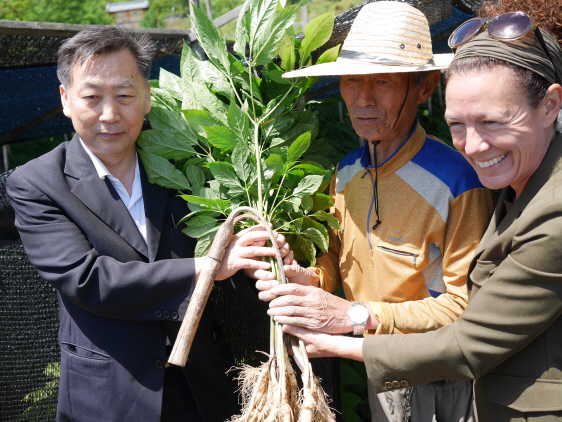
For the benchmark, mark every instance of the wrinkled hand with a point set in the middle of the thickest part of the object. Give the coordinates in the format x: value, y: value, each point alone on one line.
x: 308, y: 307
x: 245, y: 251
x: 319, y: 345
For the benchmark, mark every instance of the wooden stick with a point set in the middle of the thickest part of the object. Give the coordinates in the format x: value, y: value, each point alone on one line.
x: 200, y: 295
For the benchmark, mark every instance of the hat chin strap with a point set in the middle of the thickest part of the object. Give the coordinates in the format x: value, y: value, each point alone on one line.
x: 375, y: 143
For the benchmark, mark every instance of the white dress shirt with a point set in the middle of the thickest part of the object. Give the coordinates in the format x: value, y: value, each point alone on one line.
x: 135, y: 202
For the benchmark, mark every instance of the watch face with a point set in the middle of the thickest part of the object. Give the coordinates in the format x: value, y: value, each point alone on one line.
x: 358, y: 314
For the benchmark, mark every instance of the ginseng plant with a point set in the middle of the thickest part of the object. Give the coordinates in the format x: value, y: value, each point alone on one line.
x: 231, y: 132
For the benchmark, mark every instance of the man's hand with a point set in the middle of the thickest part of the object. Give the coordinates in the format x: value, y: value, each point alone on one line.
x: 245, y: 251
x: 308, y: 307
x: 320, y: 345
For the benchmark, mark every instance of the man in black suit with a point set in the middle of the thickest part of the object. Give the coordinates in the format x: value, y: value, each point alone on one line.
x: 106, y: 239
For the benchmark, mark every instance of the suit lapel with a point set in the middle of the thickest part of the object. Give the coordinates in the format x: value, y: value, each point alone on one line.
x: 100, y: 196
x: 155, y: 205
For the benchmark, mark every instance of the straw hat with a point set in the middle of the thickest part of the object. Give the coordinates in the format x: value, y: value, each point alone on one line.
x: 386, y: 37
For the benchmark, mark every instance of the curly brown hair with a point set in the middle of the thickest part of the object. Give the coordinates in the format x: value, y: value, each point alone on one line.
x: 547, y: 13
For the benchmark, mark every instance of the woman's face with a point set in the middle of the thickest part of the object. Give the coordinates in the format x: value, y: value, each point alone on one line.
x: 494, y: 127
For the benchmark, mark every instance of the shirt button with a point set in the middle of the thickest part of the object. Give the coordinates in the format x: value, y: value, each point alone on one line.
x: 175, y: 315
x: 159, y: 364
x: 396, y: 384
x: 166, y: 314
x: 158, y: 314
x: 388, y: 385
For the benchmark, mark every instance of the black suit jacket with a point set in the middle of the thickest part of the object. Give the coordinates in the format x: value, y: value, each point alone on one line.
x: 121, y: 300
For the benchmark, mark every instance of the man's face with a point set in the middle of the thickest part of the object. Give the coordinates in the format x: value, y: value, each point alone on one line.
x: 107, y: 100
x: 374, y: 103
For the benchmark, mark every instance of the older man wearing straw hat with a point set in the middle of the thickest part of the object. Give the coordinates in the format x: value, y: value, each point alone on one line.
x: 411, y: 211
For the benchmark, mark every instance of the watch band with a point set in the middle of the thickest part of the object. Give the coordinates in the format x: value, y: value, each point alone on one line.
x: 358, y: 326
x: 358, y: 330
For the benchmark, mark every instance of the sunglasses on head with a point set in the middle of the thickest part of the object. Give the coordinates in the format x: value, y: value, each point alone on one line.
x: 508, y: 26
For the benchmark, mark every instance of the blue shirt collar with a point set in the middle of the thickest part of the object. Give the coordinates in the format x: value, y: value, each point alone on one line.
x: 366, y: 156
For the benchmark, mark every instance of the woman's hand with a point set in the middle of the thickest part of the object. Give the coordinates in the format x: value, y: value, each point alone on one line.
x: 320, y: 345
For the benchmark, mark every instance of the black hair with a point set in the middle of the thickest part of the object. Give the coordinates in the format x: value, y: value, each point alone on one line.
x: 101, y: 40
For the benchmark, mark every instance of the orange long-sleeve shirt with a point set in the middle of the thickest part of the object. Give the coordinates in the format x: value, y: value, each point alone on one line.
x: 412, y: 267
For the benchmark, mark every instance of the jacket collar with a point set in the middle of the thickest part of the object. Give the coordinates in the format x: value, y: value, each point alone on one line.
x: 502, y: 219
x: 100, y: 196
x: 409, y: 148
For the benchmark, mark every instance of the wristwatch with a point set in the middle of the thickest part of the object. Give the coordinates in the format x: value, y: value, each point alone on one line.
x: 358, y: 315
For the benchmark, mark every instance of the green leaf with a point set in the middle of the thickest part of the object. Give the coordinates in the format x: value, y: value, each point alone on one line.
x: 162, y: 98
x: 299, y: 247
x: 287, y: 50
x: 317, y: 237
x: 312, y: 168
x: 241, y: 33
x: 258, y: 19
x: 199, y: 212
x: 332, y: 221
x: 220, y: 137
x: 322, y: 202
x: 267, y: 44
x: 161, y: 172
x: 171, y: 83
x: 203, y: 245
x: 195, y: 175
x: 211, y: 103
x: 170, y: 121
x: 215, y: 204
x: 224, y: 175
x: 275, y: 76
x: 307, y: 203
x: 240, y: 161
x: 298, y: 148
x: 211, y: 40
x: 200, y: 225
x: 277, y: 123
x: 307, y: 186
x: 217, y: 81
x: 165, y: 144
x: 274, y: 162
x: 238, y: 123
x: 316, y: 34
x: 200, y: 119
x: 329, y: 55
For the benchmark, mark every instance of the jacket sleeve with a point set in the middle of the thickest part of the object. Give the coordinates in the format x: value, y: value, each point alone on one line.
x: 469, y: 215
x: 100, y: 284
x: 519, y: 297
x: 328, y: 263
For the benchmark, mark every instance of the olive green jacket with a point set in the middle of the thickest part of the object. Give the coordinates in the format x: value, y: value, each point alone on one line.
x: 510, y: 337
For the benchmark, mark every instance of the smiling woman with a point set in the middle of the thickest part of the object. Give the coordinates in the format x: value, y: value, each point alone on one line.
x: 497, y: 129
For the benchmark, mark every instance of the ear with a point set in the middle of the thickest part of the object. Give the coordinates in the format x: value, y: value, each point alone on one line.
x: 147, y: 99
x: 428, y: 86
x: 552, y: 104
x: 64, y: 97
